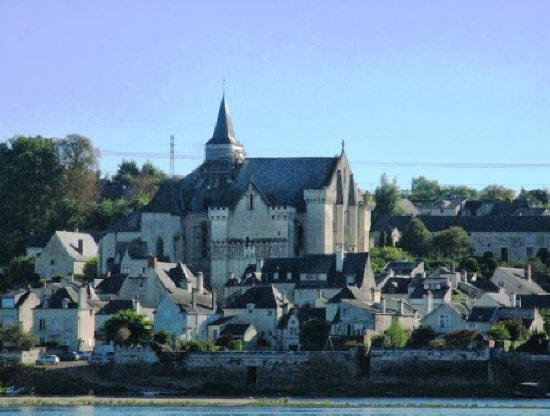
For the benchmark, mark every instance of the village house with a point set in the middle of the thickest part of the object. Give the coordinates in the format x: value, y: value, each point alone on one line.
x: 185, y: 313
x: 404, y: 268
x: 16, y: 307
x: 65, y: 254
x: 507, y: 237
x: 226, y: 327
x: 518, y: 281
x: 446, y: 317
x: 234, y: 210
x: 288, y: 330
x: 263, y: 307
x: 66, y: 318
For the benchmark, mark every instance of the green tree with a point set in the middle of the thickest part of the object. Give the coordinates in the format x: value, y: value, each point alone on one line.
x: 453, y: 242
x: 498, y: 332
x: 379, y: 256
x: 535, y: 197
x: 516, y: 329
x: 417, y: 239
x: 90, y: 269
x: 421, y: 337
x: 128, y: 328
x: 387, y: 197
x: 461, y: 192
x: 16, y: 336
x: 20, y: 273
x: 30, y: 179
x: 423, y: 189
x: 470, y: 264
x: 314, y: 334
x: 497, y: 192
x: 396, y: 335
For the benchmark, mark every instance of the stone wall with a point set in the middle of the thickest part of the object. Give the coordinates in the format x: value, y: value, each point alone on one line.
x: 21, y: 357
x: 443, y: 365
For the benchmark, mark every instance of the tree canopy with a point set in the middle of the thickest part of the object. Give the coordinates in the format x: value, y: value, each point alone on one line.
x: 128, y: 328
x: 387, y: 197
x: 416, y: 240
x: 497, y: 192
x: 453, y: 242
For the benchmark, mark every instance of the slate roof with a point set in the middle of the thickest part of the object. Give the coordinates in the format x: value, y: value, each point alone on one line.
x: 263, y: 297
x: 223, y: 132
x: 222, y: 320
x: 397, y: 285
x: 184, y: 300
x: 349, y: 292
x: 535, y: 301
x: 484, y: 285
x: 114, y: 306
x: 518, y: 276
x: 487, y: 223
x: 483, y: 313
x: 402, y: 267
x: 280, y: 180
x: 70, y: 242
x: 237, y: 330
x: 355, y: 264
x: 419, y: 291
x: 55, y: 301
x: 527, y: 315
x: 110, y: 285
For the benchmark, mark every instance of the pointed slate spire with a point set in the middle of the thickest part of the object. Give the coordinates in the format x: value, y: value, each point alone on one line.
x: 223, y: 132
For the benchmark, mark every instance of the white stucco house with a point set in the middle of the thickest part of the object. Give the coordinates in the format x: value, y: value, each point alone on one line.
x: 446, y: 317
x: 65, y: 254
x: 16, y: 307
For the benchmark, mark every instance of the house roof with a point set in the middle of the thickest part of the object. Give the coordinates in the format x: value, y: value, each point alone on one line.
x: 525, y: 314
x: 349, y: 292
x: 484, y: 285
x: 110, y: 285
x: 483, y: 313
x: 184, y: 299
x: 535, y: 301
x: 518, y: 275
x: 419, y: 291
x: 55, y: 301
x: 487, y: 223
x: 397, y: 285
x: 355, y: 264
x: 70, y: 242
x: 113, y: 306
x: 402, y: 267
x: 237, y: 330
x: 263, y: 297
x: 221, y: 320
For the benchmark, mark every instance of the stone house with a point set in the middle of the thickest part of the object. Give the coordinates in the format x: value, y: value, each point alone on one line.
x: 427, y: 293
x: 404, y: 268
x: 518, y: 281
x: 234, y: 210
x: 312, y: 279
x: 16, y: 307
x: 263, y: 307
x: 507, y: 237
x: 446, y: 317
x: 288, y: 330
x: 529, y: 317
x: 65, y: 254
x: 224, y: 327
x: 66, y: 318
x: 186, y: 314
x: 481, y: 318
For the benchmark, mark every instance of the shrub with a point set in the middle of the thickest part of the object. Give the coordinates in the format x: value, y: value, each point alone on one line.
x: 470, y: 264
x: 461, y: 338
x: 498, y: 332
x: 516, y: 330
x: 162, y: 337
x: 313, y: 335
x: 396, y: 335
x: 421, y: 337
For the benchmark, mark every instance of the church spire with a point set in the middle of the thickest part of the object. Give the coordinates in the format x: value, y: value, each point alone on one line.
x: 223, y: 132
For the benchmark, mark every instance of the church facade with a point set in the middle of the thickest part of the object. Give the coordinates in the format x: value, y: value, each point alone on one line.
x: 233, y: 211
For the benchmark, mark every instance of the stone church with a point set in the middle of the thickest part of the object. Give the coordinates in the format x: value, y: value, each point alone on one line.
x: 233, y: 211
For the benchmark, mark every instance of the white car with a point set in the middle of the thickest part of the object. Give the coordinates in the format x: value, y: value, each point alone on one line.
x: 48, y: 360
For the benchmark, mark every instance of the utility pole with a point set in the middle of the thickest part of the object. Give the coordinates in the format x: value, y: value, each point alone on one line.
x: 172, y: 155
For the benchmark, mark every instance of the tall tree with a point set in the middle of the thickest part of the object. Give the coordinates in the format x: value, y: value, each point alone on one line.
x: 387, y: 197
x: 30, y: 179
x: 423, y: 189
x: 453, y: 242
x: 497, y: 192
x: 416, y: 240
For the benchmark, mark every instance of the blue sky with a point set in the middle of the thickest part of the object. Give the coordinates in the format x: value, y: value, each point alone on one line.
x: 406, y: 84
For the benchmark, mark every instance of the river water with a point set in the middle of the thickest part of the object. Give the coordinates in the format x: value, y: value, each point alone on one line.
x: 371, y: 407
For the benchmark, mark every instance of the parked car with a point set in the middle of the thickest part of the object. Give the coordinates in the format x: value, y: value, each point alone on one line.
x: 84, y: 355
x: 48, y: 360
x: 98, y: 360
x: 69, y: 356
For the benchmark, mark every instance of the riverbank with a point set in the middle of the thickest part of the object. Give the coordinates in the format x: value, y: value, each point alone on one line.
x: 34, y: 401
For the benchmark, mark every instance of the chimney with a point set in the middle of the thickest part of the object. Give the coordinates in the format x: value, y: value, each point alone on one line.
x: 214, y: 295
x: 81, y: 246
x: 64, y: 303
x: 200, y: 283
x: 375, y: 293
x: 528, y: 272
x: 464, y: 276
x: 82, y: 298
x: 383, y: 305
x: 339, y: 261
x: 151, y: 262
x: 518, y: 301
x: 194, y: 299
x: 452, y: 267
x: 401, y: 307
x: 429, y: 301
x: 513, y: 299
x: 134, y: 304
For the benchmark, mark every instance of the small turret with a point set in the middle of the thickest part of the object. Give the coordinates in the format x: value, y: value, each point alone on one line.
x: 223, y: 146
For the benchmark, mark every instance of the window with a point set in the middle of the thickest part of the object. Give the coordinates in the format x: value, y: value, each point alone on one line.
x: 52, y: 262
x: 444, y: 321
x: 504, y: 254
x: 42, y: 324
x: 251, y: 202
